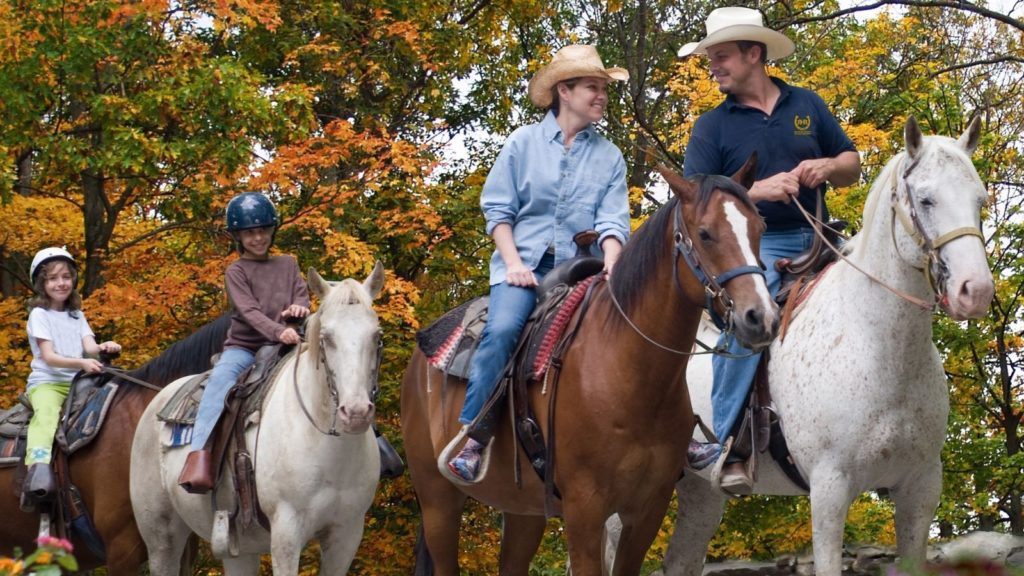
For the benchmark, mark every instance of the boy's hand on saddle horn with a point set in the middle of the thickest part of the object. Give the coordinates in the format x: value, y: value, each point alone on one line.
x: 289, y: 336
x: 295, y: 311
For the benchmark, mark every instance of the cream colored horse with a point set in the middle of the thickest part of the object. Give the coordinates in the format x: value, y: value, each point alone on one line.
x: 311, y: 483
x: 857, y: 381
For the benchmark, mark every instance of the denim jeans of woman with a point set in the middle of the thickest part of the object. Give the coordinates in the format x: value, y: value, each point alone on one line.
x: 507, y: 312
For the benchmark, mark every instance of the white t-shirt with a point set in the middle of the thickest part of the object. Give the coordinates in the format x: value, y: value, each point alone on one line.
x: 65, y: 332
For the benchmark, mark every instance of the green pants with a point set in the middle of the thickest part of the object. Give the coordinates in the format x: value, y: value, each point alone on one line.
x: 47, y: 401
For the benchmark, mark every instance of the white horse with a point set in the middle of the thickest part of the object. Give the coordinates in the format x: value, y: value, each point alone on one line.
x: 311, y: 481
x: 856, y: 379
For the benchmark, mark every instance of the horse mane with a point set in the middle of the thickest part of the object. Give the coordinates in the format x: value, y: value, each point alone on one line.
x: 872, y: 202
x: 640, y: 256
x: 188, y: 356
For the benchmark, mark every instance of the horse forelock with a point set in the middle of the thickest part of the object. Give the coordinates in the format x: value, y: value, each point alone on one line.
x: 641, y: 256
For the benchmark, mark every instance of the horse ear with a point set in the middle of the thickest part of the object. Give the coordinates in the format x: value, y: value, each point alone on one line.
x: 912, y: 135
x: 745, y: 175
x: 683, y: 188
x: 317, y: 285
x: 969, y: 139
x: 375, y: 281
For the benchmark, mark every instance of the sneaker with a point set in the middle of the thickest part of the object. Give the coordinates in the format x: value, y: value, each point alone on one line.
x: 466, y: 463
x: 700, y: 455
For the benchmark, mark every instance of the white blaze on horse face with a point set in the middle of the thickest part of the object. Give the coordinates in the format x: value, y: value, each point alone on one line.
x: 738, y: 222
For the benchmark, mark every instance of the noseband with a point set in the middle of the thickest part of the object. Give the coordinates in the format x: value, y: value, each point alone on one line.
x: 930, y: 247
x: 714, y: 286
x: 332, y: 386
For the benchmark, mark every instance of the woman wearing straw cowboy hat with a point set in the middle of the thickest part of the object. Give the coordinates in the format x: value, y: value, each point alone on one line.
x: 551, y: 180
x: 800, y: 146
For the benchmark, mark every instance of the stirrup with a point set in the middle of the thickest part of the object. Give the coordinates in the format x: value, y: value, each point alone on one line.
x: 446, y: 455
x: 716, y: 471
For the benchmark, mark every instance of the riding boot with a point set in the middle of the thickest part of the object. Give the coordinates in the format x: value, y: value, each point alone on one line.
x: 197, y: 473
x: 391, y: 464
x: 40, y: 483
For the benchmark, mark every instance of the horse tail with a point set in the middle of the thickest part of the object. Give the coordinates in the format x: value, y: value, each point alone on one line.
x: 424, y: 563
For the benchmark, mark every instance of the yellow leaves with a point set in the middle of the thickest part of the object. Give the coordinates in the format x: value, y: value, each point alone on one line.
x: 246, y: 13
x: 28, y: 223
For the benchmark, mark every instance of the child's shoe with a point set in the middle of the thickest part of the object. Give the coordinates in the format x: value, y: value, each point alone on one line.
x: 467, y: 462
x: 700, y: 455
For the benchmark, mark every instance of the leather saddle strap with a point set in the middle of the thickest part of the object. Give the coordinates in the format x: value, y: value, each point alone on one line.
x: 762, y: 402
x: 550, y: 489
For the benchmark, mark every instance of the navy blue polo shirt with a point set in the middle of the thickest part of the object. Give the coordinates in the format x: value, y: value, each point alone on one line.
x: 801, y: 127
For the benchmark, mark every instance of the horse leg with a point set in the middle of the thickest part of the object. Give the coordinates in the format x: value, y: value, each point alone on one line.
x: 638, y: 532
x: 700, y: 514
x: 915, y: 504
x: 338, y: 548
x: 248, y: 564
x: 830, y: 501
x: 286, y: 542
x: 166, y: 539
x: 441, y: 510
x: 520, y: 538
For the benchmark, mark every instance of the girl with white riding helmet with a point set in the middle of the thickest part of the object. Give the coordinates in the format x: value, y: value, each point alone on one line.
x: 61, y: 343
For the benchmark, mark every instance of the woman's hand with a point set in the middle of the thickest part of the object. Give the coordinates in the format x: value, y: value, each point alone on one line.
x: 520, y: 275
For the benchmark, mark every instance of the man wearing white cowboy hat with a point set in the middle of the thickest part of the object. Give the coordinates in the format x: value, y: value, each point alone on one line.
x: 800, y: 147
x: 551, y: 181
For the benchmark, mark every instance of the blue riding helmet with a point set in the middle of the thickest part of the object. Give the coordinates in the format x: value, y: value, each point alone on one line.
x: 250, y: 210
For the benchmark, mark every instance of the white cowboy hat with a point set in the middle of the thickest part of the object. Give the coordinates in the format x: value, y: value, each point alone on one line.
x: 733, y: 23
x: 573, y: 61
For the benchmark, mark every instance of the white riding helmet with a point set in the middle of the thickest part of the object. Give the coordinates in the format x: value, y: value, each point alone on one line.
x: 46, y: 255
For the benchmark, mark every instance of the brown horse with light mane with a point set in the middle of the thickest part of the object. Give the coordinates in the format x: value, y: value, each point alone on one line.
x: 622, y: 416
x: 100, y: 470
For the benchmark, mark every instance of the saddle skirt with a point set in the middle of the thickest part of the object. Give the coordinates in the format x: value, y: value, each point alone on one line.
x: 84, y: 412
x: 179, y: 412
x: 450, y: 341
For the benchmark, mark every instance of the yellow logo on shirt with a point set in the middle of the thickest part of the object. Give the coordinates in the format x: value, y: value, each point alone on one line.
x: 802, y: 126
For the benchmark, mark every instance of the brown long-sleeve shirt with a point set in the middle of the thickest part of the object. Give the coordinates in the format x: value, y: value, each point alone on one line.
x: 260, y: 290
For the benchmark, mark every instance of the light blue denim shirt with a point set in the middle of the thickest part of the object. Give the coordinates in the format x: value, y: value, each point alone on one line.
x: 548, y: 194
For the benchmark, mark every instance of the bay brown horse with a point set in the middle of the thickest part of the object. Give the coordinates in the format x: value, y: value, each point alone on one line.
x: 100, y: 470
x: 622, y: 419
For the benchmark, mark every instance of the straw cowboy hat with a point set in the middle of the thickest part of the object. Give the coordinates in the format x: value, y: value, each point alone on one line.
x: 573, y: 61
x: 733, y: 23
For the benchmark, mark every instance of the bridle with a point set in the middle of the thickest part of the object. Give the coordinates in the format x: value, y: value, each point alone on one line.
x: 714, y: 286
x: 332, y: 385
x: 929, y: 246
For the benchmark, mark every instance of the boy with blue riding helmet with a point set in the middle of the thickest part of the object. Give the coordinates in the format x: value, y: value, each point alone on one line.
x: 800, y: 149
x: 265, y: 291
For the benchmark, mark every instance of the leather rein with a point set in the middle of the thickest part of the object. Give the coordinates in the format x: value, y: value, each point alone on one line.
x: 714, y: 286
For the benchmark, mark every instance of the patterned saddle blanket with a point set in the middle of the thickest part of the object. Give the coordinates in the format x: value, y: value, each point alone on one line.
x: 85, y: 410
x: 450, y: 341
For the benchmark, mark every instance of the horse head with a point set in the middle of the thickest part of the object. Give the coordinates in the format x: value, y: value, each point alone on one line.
x: 345, y: 337
x: 718, y: 232
x: 938, y: 199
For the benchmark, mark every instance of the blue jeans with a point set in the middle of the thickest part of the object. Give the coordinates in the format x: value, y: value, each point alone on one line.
x: 507, y: 312
x: 232, y: 362
x: 734, y: 376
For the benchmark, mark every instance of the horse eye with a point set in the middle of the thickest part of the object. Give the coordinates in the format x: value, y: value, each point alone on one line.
x: 704, y: 235
x: 927, y: 202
